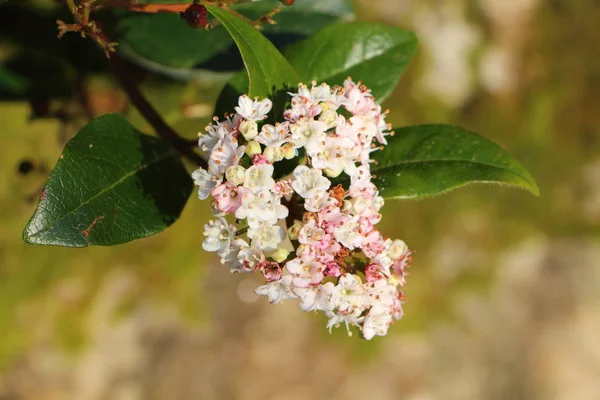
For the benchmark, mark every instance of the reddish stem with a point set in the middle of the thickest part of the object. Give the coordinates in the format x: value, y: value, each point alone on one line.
x: 146, y: 7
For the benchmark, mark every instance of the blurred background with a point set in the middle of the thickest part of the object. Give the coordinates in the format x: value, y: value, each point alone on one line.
x: 504, y: 287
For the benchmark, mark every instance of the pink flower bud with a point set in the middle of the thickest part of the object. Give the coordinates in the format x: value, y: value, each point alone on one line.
x: 332, y: 269
x: 258, y: 159
x: 373, y: 273
x: 270, y: 270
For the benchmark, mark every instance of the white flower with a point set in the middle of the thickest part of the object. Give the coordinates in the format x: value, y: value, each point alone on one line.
x: 230, y: 257
x: 225, y: 154
x: 349, y: 234
x: 302, y: 107
x: 253, y: 110
x: 208, y: 140
x: 308, y: 133
x: 205, y: 182
x: 315, y: 297
x: 266, y: 236
x: 278, y: 290
x: 394, y: 250
x: 349, y: 294
x: 356, y: 100
x: 261, y: 207
x: 376, y: 322
x: 309, y: 182
x: 259, y: 178
x: 318, y: 202
x: 382, y: 293
x: 219, y: 235
x: 336, y: 154
x: 306, y: 272
x: 317, y: 93
x: 283, y: 188
x: 274, y: 136
x: 249, y: 257
x: 346, y: 318
x: 383, y: 258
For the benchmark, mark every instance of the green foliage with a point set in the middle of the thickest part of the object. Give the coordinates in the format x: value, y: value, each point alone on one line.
x: 373, y: 53
x: 167, y: 40
x: 112, y: 184
x: 302, y: 19
x: 164, y: 40
x: 428, y: 160
x: 268, y: 70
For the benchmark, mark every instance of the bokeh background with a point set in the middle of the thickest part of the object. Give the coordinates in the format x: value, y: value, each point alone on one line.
x: 504, y: 287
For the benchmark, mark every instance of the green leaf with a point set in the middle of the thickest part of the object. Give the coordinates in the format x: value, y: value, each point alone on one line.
x: 375, y: 54
x: 301, y: 19
x: 268, y: 70
x: 111, y: 185
x: 428, y: 160
x: 166, y: 40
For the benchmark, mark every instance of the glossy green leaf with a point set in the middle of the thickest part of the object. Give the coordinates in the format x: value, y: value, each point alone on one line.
x: 268, y: 70
x: 428, y: 160
x: 112, y: 184
x: 301, y: 19
x: 165, y: 40
x: 373, y: 53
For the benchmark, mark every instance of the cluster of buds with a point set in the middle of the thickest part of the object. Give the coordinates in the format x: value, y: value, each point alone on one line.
x: 329, y: 256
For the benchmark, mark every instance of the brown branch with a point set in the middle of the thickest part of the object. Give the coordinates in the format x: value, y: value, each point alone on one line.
x: 150, y: 114
x: 145, y: 7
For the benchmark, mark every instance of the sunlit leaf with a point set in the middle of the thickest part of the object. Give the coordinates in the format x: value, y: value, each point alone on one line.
x: 111, y: 185
x: 375, y: 54
x: 428, y: 160
x: 268, y: 71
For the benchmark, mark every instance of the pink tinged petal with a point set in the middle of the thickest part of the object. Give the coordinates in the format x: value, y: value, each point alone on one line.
x: 333, y: 269
x: 270, y: 270
x: 259, y: 159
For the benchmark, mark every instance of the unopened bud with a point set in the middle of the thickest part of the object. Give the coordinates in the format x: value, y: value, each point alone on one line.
x: 235, y: 174
x: 397, y: 249
x: 279, y: 255
x: 329, y: 117
x: 294, y: 230
x: 253, y: 148
x: 249, y: 129
x: 273, y: 154
x: 289, y: 151
x: 333, y: 173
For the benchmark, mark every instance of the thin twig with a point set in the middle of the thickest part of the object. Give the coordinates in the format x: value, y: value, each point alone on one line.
x: 145, y: 7
x: 150, y: 114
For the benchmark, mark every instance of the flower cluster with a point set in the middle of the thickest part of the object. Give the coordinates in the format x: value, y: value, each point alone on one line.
x: 331, y: 257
